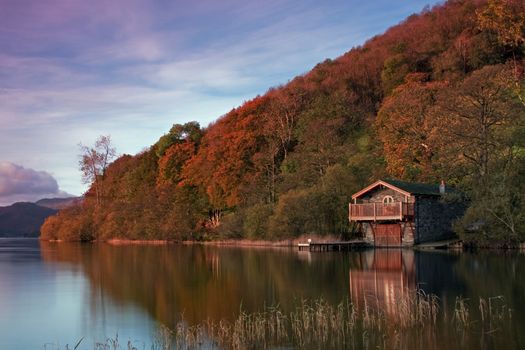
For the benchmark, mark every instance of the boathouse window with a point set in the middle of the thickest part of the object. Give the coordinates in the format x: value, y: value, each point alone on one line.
x: 388, y: 199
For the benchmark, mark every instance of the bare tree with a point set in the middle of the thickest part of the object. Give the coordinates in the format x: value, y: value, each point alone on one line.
x: 282, y: 114
x: 94, y: 162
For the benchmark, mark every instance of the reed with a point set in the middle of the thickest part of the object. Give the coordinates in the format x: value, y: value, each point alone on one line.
x: 415, y: 320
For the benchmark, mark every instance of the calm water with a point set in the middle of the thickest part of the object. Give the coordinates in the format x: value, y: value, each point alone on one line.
x: 55, y: 294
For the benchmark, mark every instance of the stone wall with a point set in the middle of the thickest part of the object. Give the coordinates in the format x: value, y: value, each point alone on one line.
x: 408, y: 228
x: 377, y: 195
x: 368, y: 233
x: 434, y: 218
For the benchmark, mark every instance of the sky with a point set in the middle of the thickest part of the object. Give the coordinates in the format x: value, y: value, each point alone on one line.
x: 71, y: 70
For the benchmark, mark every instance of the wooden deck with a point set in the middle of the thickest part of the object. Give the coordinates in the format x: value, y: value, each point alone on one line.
x: 333, y: 246
x: 380, y: 211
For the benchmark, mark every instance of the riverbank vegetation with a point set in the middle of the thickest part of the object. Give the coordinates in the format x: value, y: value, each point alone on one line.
x: 418, y: 322
x: 438, y: 97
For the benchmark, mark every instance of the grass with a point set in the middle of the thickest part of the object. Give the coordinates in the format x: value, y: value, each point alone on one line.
x: 416, y: 321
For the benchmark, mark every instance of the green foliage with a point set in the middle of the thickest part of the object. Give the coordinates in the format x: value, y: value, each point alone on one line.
x: 320, y: 209
x: 497, y: 211
x: 178, y: 133
x: 295, y: 214
x: 394, y: 72
x: 232, y: 225
x: 255, y: 225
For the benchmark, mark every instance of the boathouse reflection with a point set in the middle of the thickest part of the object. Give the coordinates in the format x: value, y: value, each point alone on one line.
x: 382, y: 278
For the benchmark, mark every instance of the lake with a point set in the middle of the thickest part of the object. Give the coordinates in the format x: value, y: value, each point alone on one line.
x: 53, y: 294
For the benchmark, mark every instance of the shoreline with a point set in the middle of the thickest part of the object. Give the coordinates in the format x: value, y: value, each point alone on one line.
x: 283, y: 243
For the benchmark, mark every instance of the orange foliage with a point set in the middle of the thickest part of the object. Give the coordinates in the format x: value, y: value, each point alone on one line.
x: 406, y: 128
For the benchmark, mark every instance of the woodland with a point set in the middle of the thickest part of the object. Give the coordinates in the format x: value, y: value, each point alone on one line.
x: 439, y: 96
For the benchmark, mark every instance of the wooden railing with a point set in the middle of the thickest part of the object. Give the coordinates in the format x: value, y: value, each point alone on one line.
x: 380, y: 211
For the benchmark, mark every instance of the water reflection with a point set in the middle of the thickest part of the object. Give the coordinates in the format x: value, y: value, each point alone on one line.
x: 204, y: 282
x: 201, y: 282
x: 383, y: 278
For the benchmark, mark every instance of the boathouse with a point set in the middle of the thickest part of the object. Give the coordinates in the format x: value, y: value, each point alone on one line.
x: 394, y: 213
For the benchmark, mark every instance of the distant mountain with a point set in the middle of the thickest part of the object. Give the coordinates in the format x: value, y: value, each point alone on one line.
x: 58, y: 203
x: 23, y: 219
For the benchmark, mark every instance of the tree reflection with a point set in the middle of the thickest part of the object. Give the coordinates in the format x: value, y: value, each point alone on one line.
x: 201, y: 282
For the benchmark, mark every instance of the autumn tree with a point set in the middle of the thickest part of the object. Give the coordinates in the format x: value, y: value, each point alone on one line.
x: 94, y: 161
x: 223, y: 168
x: 506, y: 19
x: 175, y: 149
x: 405, y: 128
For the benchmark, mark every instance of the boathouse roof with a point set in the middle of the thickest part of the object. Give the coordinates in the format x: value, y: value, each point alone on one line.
x: 407, y: 188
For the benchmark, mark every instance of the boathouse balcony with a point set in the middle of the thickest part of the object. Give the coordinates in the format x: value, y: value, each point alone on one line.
x: 381, y: 211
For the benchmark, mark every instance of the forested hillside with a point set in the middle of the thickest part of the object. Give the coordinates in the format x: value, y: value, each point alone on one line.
x: 439, y: 96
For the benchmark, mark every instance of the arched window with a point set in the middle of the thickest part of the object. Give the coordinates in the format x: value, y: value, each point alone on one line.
x: 388, y: 199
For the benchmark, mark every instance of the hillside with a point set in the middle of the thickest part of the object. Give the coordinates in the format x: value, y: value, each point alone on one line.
x: 58, y: 203
x: 23, y: 219
x: 438, y: 96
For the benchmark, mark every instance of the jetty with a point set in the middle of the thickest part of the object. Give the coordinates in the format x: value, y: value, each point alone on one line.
x: 333, y: 246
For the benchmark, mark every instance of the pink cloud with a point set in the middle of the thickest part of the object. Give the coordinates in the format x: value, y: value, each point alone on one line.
x: 17, y: 180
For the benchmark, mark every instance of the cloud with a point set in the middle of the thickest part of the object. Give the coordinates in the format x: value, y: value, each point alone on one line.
x: 15, y: 179
x: 24, y: 184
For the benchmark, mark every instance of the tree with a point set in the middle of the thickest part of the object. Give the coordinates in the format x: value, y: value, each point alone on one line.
x: 179, y: 133
x: 94, y: 161
x: 175, y: 149
x: 497, y: 210
x: 394, y: 72
x: 472, y: 118
x: 497, y: 193
x: 506, y: 19
x: 405, y: 128
x: 284, y: 106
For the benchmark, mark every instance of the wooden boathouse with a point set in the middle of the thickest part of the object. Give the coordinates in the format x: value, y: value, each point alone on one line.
x: 392, y: 213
